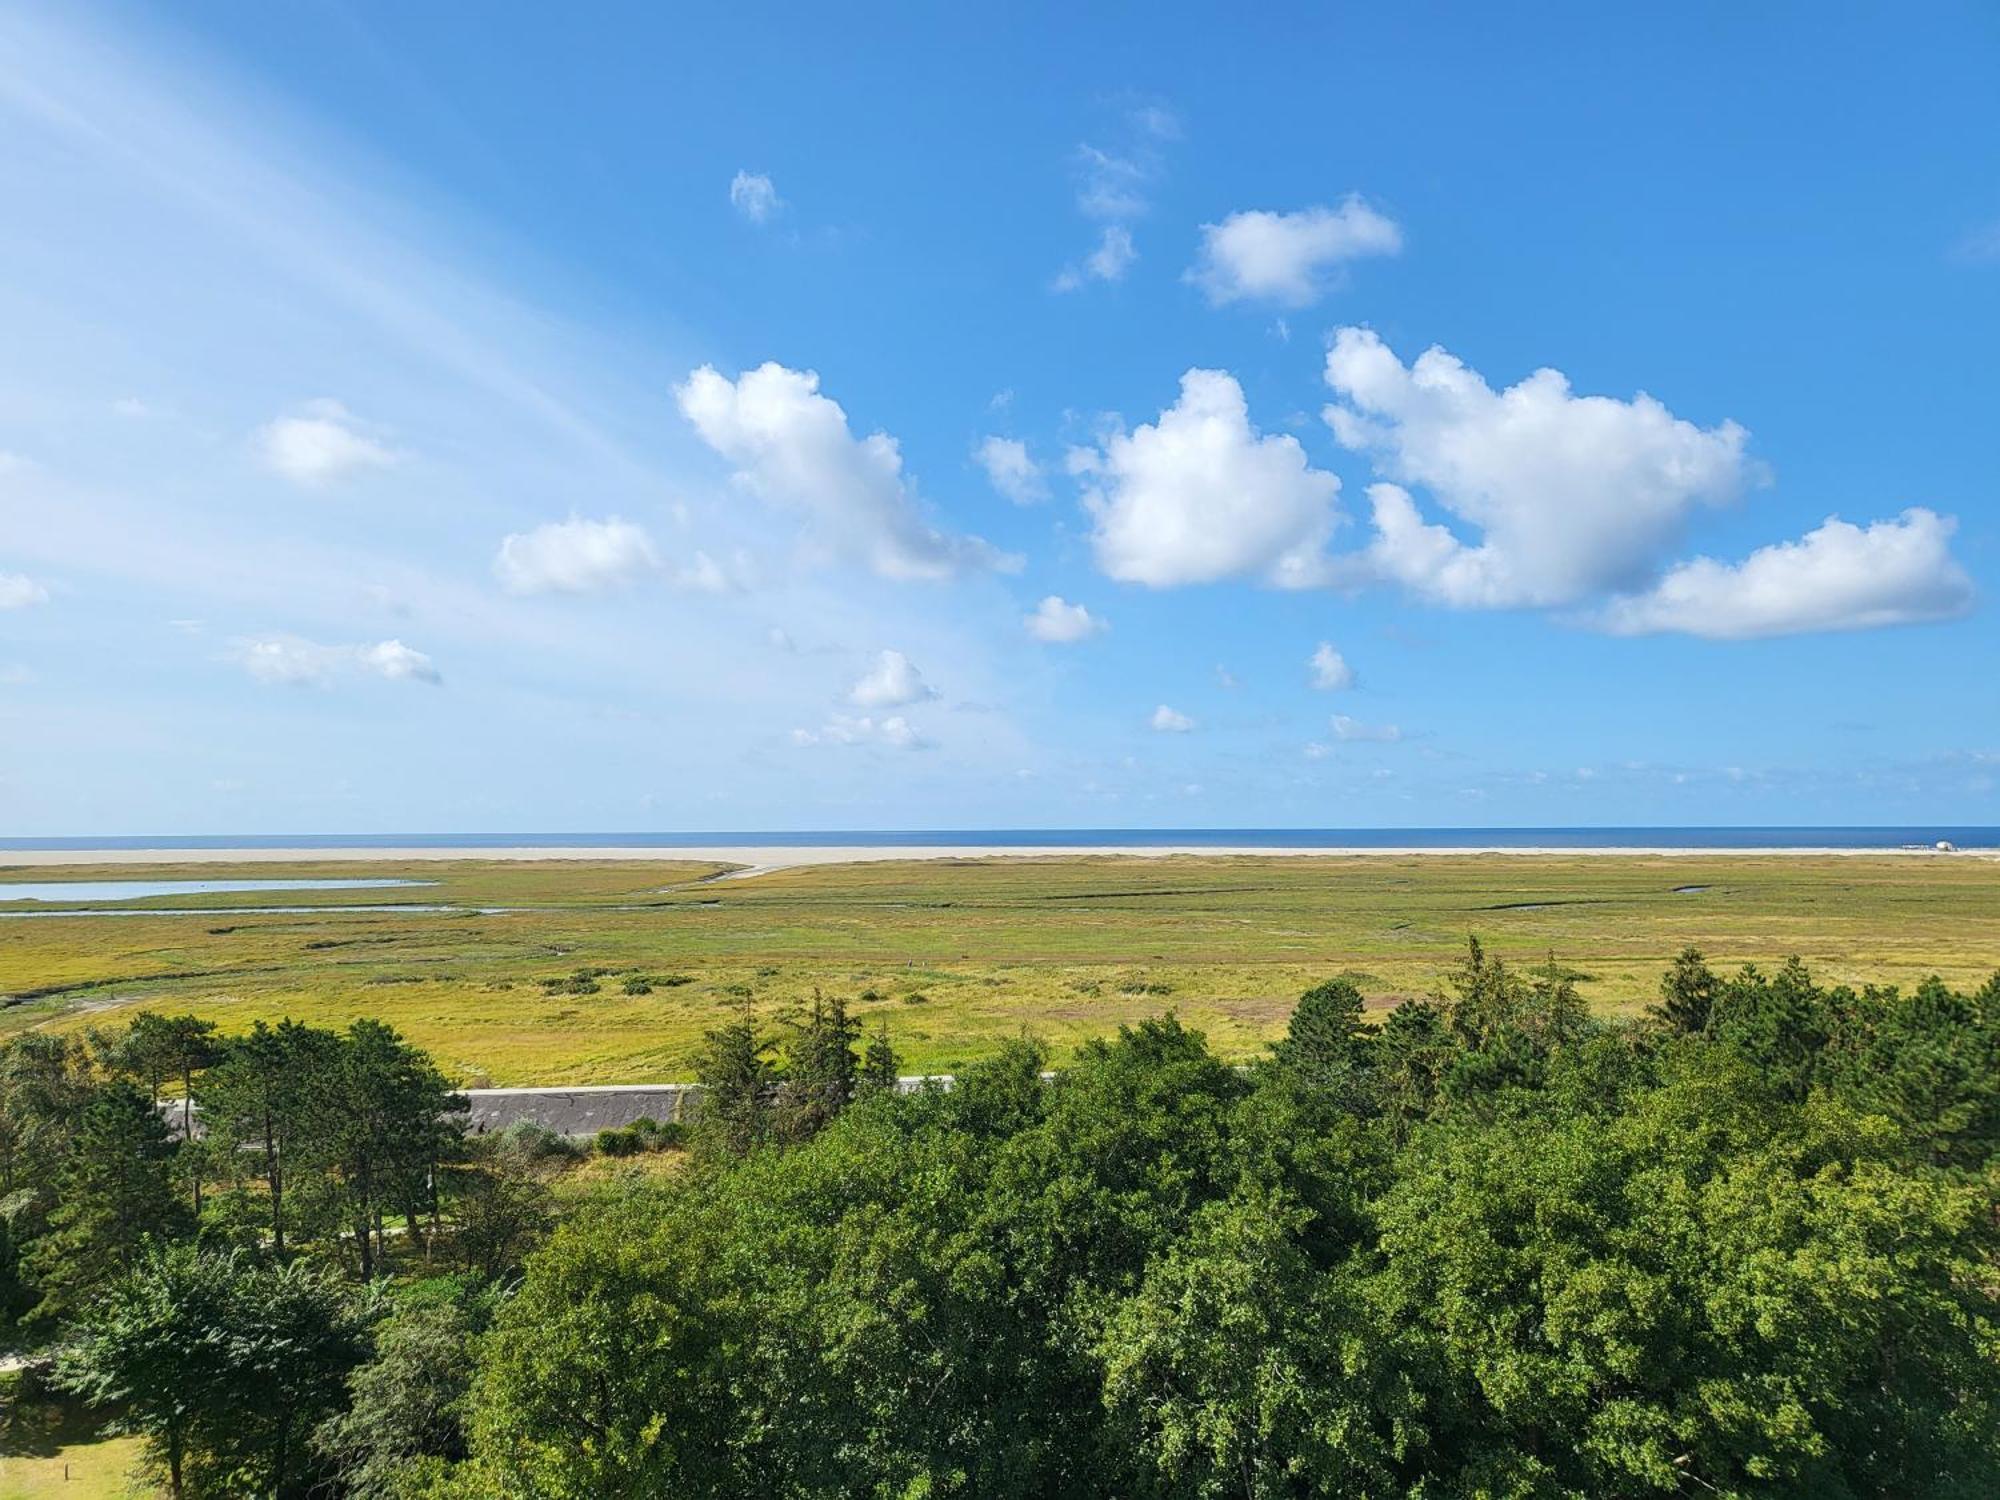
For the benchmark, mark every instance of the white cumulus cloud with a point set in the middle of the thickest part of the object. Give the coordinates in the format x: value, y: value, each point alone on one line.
x: 577, y: 556
x: 18, y: 591
x: 892, y: 682
x: 1201, y: 496
x: 1330, y: 671
x: 1171, y: 720
x: 1288, y: 258
x: 320, y: 445
x: 753, y: 195
x: 1060, y: 623
x: 293, y: 661
x: 792, y: 447
x: 1836, y: 577
x: 1572, y: 496
x: 1012, y: 470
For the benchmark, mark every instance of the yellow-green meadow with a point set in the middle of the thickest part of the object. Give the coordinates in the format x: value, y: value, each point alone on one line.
x: 526, y: 980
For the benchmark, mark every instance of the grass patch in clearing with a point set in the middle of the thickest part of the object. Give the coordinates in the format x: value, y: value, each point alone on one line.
x: 52, y: 1450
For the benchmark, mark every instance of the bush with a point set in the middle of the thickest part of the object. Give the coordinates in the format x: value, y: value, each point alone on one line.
x: 642, y: 1135
x: 531, y: 1142
x: 660, y: 1135
x: 620, y: 1141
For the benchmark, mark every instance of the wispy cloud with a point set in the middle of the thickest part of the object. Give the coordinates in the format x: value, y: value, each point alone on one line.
x: 894, y: 732
x: 753, y: 195
x: 292, y: 661
x: 1114, y: 188
x: 495, y: 405
x: 1012, y: 470
x: 1978, y: 247
x: 18, y: 591
x: 1353, y: 731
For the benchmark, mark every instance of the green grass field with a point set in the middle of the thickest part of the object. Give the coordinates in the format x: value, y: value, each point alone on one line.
x: 954, y: 957
x: 51, y: 1450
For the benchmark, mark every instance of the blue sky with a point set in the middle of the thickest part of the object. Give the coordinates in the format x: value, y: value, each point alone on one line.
x: 454, y: 418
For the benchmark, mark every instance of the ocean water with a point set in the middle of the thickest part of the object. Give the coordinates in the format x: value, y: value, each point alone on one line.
x: 1884, y: 837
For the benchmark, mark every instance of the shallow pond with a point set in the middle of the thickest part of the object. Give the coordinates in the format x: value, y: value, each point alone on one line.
x: 139, y: 890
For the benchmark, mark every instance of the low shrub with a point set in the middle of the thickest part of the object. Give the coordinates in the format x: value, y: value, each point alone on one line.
x: 660, y: 1135
x: 619, y: 1141
x: 532, y: 1142
x: 643, y: 1134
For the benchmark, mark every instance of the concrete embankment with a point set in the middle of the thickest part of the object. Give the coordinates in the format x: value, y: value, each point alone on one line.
x: 587, y: 1109
x: 580, y: 1110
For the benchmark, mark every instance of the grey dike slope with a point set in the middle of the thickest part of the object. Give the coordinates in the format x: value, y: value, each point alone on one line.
x: 582, y: 1110
x: 587, y: 1109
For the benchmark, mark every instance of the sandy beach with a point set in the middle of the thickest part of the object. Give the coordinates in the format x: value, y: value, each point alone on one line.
x: 763, y: 860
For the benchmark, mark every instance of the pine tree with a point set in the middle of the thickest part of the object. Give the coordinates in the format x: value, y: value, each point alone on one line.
x: 266, y: 1104
x: 1687, y: 994
x: 115, y: 1193
x: 1485, y: 999
x: 156, y: 1050
x: 1326, y: 1044
x: 821, y: 1069
x: 1552, y: 1013
x: 1412, y: 1052
x: 879, y: 1064
x: 732, y: 1113
x: 392, y: 1116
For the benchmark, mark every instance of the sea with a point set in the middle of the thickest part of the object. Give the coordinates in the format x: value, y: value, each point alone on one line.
x: 1788, y: 837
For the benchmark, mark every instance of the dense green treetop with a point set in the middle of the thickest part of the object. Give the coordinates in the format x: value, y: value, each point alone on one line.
x: 1476, y: 1245
x: 1488, y: 1247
